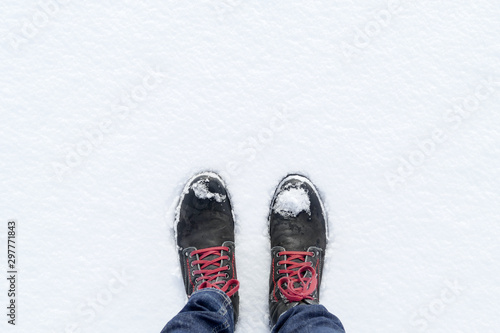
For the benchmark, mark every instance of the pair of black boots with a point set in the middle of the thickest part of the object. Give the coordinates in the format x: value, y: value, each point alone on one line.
x: 204, y: 227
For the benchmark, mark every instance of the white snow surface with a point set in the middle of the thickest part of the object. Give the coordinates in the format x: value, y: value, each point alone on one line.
x: 291, y: 201
x: 390, y: 108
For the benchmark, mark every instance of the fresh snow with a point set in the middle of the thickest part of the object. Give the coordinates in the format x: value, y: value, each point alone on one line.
x: 291, y: 201
x: 391, y: 108
x: 201, y: 191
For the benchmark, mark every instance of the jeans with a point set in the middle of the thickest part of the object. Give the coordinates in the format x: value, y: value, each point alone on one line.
x: 210, y: 310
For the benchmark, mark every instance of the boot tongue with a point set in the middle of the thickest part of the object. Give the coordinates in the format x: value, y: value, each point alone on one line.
x: 296, y: 277
x: 213, y: 266
x: 307, y: 274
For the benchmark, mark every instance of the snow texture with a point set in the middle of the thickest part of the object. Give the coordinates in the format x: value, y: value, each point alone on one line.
x: 391, y: 108
x: 201, y: 191
x: 291, y: 201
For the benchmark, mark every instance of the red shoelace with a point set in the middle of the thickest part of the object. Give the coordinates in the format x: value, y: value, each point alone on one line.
x: 209, y: 276
x: 296, y: 269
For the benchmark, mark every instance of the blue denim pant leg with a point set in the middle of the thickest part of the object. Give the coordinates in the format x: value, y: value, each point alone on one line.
x: 208, y: 310
x: 308, y: 318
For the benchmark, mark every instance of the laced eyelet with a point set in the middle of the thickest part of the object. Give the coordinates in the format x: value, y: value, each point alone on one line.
x: 277, y: 255
x: 227, y: 266
x: 227, y: 276
x: 314, y: 254
x: 192, y: 273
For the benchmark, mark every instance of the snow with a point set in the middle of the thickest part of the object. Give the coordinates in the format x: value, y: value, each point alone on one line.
x: 390, y: 108
x: 201, y: 191
x: 291, y: 200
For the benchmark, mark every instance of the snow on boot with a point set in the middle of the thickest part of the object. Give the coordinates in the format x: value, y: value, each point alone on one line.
x: 298, y: 229
x: 204, y: 231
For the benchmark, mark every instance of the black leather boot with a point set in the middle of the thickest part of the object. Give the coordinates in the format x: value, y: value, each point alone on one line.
x: 298, y: 229
x: 204, y: 227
